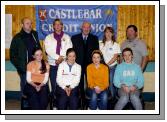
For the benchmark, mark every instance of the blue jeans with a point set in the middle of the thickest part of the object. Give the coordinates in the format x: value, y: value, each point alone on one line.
x: 98, y: 100
x: 22, y: 83
x: 112, y: 87
x: 53, y: 75
x: 125, y: 98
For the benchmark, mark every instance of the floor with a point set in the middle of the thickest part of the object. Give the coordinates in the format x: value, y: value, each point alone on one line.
x: 15, y: 105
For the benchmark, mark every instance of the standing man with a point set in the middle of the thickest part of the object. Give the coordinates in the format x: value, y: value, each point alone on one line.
x: 139, y: 48
x: 22, y: 45
x: 56, y: 45
x: 84, y: 44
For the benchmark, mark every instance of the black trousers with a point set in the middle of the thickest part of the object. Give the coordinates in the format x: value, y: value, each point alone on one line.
x: 37, y: 100
x: 63, y: 101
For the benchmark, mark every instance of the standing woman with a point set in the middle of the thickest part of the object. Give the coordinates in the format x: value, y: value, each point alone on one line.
x: 56, y: 45
x: 111, y: 51
x: 98, y: 81
x: 36, y: 88
x: 68, y: 78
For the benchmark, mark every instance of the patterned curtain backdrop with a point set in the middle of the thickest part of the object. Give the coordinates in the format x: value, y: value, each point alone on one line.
x: 143, y: 16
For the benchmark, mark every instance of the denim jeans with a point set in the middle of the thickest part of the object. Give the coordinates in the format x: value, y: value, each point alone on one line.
x: 112, y: 87
x: 125, y: 98
x: 53, y: 75
x: 98, y: 100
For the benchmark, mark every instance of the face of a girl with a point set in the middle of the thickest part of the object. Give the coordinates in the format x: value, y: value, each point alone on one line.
x: 71, y: 57
x: 127, y: 55
x: 38, y: 55
x: 108, y: 34
x: 96, y: 59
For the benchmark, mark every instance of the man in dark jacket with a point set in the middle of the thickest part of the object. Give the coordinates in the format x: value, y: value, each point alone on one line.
x: 84, y: 44
x: 22, y: 45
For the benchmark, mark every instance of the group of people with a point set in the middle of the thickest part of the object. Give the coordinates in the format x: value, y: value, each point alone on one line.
x: 73, y: 62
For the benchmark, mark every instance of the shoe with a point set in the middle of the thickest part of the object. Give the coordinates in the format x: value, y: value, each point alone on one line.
x: 54, y: 108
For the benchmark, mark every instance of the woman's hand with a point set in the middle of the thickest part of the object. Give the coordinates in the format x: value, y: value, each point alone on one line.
x: 97, y: 89
x: 68, y: 90
x: 38, y: 87
x: 133, y: 89
x: 125, y: 88
x: 59, y: 60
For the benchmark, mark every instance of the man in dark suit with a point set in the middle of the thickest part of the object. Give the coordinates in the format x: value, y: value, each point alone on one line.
x: 84, y: 44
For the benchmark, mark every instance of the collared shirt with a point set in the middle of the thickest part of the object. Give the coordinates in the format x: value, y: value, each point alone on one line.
x: 85, y: 37
x: 138, y: 47
x: 108, y: 50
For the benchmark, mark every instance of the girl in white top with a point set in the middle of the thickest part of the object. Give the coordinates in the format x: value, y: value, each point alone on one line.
x: 68, y: 78
x: 111, y: 51
x: 56, y: 45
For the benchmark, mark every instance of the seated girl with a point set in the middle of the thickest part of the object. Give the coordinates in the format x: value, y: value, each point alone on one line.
x: 98, y: 81
x: 68, y: 78
x: 128, y: 79
x: 36, y: 88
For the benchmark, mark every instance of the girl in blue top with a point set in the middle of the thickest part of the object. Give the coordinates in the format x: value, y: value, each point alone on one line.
x: 128, y: 79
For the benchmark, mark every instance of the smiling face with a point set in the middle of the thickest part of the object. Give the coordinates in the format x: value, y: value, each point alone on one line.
x: 131, y: 33
x: 86, y: 27
x: 96, y: 58
x: 108, y: 35
x: 58, y: 26
x: 127, y: 55
x: 71, y: 57
x: 38, y: 55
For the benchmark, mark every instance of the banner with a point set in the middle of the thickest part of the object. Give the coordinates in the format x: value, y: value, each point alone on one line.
x: 73, y: 16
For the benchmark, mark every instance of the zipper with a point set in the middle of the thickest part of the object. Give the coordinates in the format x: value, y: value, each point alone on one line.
x: 27, y: 56
x: 35, y: 39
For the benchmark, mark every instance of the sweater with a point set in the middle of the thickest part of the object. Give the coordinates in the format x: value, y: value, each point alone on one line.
x: 98, y: 76
x: 128, y: 74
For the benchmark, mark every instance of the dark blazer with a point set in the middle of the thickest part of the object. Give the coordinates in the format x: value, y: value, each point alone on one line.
x: 84, y: 51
